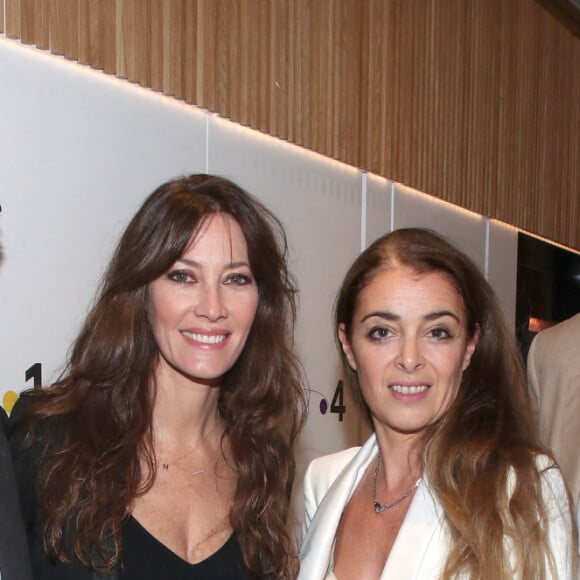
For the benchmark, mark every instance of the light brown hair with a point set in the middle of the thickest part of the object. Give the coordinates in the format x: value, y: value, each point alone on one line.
x: 487, y: 438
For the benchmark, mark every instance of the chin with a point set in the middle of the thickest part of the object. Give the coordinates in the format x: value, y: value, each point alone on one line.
x: 408, y: 427
x: 209, y: 378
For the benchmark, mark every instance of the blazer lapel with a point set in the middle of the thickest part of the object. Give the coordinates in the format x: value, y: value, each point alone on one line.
x: 318, y: 544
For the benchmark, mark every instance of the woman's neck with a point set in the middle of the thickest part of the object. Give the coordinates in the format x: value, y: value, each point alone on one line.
x: 184, y: 412
x: 401, y: 457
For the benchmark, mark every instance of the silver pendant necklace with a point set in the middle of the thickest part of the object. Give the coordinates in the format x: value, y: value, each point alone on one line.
x: 379, y: 507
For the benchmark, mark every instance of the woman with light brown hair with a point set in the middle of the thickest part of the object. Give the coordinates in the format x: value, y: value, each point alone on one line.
x: 452, y: 483
x: 166, y: 448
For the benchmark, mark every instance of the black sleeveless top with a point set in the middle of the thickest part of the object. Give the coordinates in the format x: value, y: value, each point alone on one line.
x: 146, y: 558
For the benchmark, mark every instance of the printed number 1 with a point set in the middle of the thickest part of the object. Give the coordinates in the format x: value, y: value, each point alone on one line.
x: 337, y: 404
x: 35, y: 373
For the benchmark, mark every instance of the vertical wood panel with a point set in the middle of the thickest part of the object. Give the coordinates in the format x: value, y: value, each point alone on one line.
x: 124, y: 29
x: 474, y: 102
x: 12, y: 8
x: 157, y: 46
x: 85, y: 34
x: 101, y: 17
x: 64, y: 27
x: 41, y: 23
x: 106, y: 37
x: 346, y: 136
x: 133, y: 36
x: 139, y: 49
x: 279, y: 110
x: 301, y: 120
x: 206, y: 55
x: 230, y: 66
x: 98, y: 35
x: 172, y: 33
x: 264, y: 79
x: 190, y: 52
x: 27, y: 27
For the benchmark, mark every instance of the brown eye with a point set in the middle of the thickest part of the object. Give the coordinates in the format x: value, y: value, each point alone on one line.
x: 379, y: 333
x: 439, y: 333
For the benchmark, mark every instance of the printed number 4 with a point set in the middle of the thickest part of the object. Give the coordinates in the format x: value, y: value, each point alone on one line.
x: 337, y: 404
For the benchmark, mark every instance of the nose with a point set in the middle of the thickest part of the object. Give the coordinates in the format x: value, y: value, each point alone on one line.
x: 210, y: 304
x: 410, y: 358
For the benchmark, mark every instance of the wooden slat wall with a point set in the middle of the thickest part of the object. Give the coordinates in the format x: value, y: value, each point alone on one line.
x: 476, y: 102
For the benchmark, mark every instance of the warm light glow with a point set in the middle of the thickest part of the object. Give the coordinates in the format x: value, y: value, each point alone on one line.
x: 537, y: 324
x: 551, y: 242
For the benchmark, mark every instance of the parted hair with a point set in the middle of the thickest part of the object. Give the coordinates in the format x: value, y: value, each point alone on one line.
x: 102, y: 404
x: 480, y: 457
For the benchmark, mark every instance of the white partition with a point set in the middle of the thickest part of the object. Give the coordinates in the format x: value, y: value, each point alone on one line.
x: 79, y: 151
x: 502, y: 266
x: 462, y: 228
x: 378, y: 208
x: 319, y: 203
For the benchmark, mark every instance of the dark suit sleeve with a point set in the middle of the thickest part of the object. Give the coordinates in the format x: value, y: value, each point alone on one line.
x: 25, y: 458
x: 14, y: 557
x: 3, y: 420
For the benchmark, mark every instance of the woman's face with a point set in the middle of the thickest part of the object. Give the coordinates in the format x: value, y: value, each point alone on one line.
x: 409, y: 347
x: 202, y: 310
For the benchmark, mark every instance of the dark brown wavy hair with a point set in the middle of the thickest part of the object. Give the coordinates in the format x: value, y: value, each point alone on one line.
x: 102, y: 405
x: 487, y: 436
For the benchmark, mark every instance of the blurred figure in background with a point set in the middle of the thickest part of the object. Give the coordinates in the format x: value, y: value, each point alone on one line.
x: 14, y: 560
x: 554, y: 384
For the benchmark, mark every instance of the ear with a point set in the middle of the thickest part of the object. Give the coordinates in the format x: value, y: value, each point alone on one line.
x: 345, y: 343
x: 471, y: 346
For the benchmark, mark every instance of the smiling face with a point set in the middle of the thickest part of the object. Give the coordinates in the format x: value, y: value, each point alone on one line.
x: 409, y: 346
x: 202, y: 310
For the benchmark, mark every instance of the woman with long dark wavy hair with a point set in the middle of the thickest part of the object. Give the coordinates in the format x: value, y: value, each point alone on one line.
x: 166, y: 448
x: 452, y: 483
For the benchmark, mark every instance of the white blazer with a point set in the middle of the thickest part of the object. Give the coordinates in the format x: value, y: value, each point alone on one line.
x: 421, y: 546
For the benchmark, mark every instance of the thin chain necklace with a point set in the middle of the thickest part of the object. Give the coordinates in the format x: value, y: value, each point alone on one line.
x: 379, y: 507
x: 166, y: 465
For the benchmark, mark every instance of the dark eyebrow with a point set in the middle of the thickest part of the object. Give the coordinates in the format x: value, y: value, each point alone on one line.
x: 381, y: 314
x: 428, y: 317
x: 230, y: 266
x: 440, y: 314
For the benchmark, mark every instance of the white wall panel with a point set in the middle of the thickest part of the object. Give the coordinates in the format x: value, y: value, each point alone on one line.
x: 319, y: 202
x: 492, y: 245
x: 462, y: 228
x: 379, y: 197
x: 79, y: 151
x: 502, y: 266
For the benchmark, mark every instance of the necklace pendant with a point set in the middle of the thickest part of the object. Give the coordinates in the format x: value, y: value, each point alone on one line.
x: 379, y: 509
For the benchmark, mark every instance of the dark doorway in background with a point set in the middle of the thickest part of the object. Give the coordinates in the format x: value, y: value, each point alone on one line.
x: 548, y: 287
